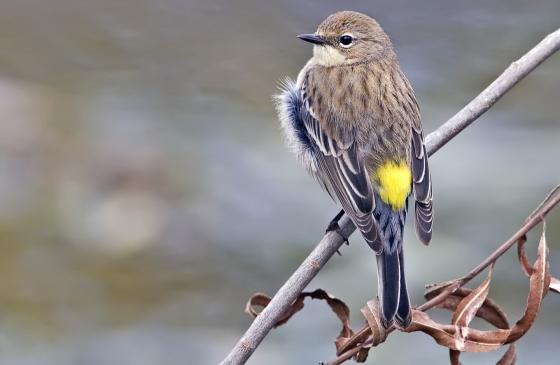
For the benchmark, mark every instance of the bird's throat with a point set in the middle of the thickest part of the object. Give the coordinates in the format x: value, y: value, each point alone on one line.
x: 328, y: 56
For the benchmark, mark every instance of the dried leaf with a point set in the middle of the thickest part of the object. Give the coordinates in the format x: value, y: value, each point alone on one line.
x: 337, y: 306
x: 467, y: 308
x: 371, y: 313
x: 538, y: 287
x: 345, y: 344
x: 466, y: 311
x: 257, y: 300
x: 522, y: 256
x: 433, y: 290
x: 463, y: 338
x: 376, y: 330
x: 466, y: 304
x: 446, y: 335
x: 454, y: 357
x: 262, y: 300
x: 493, y: 314
x: 489, y: 311
x: 362, y: 355
x: 527, y: 268
x: 509, y: 357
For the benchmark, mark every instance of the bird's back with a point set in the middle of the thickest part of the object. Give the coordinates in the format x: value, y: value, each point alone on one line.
x: 371, y: 103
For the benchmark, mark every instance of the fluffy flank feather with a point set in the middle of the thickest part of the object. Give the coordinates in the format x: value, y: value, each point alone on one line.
x: 288, y: 105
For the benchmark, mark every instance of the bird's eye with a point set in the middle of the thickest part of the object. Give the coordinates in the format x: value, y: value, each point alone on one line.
x: 346, y: 40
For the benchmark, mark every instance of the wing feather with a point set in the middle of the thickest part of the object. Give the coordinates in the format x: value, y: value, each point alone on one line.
x: 341, y: 170
x: 422, y: 185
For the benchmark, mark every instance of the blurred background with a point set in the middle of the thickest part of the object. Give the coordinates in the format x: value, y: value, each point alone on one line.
x: 145, y: 192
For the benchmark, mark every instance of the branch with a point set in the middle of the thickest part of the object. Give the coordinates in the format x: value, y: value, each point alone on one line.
x: 332, y: 241
x: 489, y: 96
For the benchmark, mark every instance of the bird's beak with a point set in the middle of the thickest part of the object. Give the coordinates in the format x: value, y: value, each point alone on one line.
x: 312, y: 38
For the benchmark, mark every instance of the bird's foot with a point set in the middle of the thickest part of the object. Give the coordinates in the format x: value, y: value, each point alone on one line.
x: 333, y: 226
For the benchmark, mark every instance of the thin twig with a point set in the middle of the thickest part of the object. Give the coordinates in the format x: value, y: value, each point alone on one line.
x: 489, y: 96
x: 536, y: 217
x: 332, y: 241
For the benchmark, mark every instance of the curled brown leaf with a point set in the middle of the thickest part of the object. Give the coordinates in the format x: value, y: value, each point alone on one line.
x: 337, y: 306
x: 371, y: 313
x: 539, y: 282
x: 509, y: 357
x: 466, y: 310
x: 487, y: 310
x: 522, y: 256
x: 262, y: 300
x: 468, y: 307
x: 554, y: 284
x: 462, y: 338
x: 446, y: 335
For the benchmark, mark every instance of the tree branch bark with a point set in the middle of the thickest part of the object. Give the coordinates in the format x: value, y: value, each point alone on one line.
x: 332, y: 241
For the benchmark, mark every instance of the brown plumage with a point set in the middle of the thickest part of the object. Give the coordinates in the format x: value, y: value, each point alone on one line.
x: 365, y: 100
x: 353, y: 118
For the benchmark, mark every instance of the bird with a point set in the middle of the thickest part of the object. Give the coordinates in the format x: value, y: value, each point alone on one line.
x: 353, y: 120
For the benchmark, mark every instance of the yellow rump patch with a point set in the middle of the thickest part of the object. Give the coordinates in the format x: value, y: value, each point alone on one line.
x: 395, y: 181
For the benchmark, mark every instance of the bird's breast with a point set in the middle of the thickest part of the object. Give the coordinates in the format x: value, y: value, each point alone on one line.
x: 343, y: 96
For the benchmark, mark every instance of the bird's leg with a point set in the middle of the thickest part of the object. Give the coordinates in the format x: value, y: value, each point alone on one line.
x: 333, y: 226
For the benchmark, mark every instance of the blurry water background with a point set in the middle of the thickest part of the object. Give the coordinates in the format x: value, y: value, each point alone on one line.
x: 145, y: 192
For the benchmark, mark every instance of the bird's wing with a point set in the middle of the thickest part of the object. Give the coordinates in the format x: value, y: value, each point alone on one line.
x: 422, y: 184
x: 342, y: 172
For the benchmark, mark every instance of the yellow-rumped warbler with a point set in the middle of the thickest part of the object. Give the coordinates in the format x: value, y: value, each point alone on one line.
x: 353, y: 120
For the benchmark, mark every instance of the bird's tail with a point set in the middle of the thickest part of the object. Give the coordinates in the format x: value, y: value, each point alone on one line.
x: 392, y: 291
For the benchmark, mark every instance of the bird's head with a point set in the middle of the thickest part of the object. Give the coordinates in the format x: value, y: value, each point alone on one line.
x: 347, y: 37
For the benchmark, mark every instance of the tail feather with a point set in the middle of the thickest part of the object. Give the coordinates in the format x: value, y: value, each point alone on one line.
x: 388, y: 276
x: 392, y: 291
x: 404, y: 314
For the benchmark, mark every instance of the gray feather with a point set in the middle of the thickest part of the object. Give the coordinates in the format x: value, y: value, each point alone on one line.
x: 422, y: 183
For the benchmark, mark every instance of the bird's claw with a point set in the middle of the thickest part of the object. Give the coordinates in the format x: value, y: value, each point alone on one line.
x: 334, y: 227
